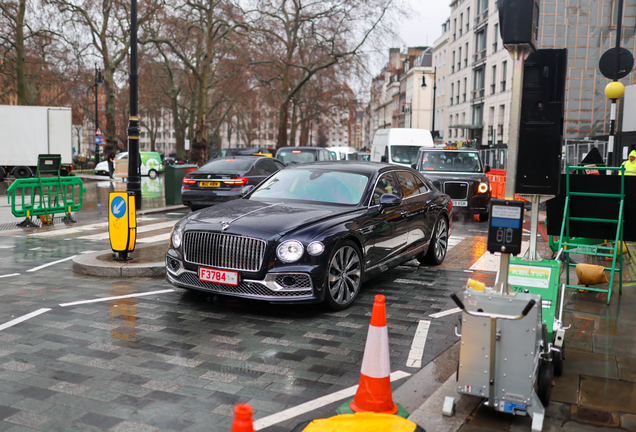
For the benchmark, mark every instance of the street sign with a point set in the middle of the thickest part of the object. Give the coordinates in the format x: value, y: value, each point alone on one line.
x: 98, y: 139
x: 98, y: 131
x: 122, y: 223
x: 607, y: 63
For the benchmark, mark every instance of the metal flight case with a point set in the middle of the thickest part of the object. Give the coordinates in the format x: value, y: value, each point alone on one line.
x: 504, y: 354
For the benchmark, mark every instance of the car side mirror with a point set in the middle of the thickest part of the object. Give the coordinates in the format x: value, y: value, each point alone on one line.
x: 487, y: 169
x: 383, y: 159
x: 388, y: 201
x: 414, y: 165
x: 245, y: 190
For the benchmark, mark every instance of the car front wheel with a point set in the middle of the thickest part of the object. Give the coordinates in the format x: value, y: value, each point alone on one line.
x: 439, y: 244
x: 344, y: 276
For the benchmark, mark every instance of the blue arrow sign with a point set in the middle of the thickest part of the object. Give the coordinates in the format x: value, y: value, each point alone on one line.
x: 118, y: 207
x: 98, y: 139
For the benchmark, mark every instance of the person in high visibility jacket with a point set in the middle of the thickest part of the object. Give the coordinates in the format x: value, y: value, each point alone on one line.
x: 630, y: 165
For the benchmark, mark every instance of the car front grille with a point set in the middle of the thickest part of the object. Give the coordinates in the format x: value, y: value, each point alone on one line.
x: 224, y: 250
x: 456, y: 190
x: 244, y: 289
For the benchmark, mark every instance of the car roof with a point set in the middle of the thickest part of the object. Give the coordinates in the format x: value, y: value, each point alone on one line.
x: 303, y: 148
x: 360, y: 167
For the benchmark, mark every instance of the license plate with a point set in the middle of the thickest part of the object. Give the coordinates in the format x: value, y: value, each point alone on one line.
x: 209, y: 184
x: 460, y: 203
x: 218, y: 276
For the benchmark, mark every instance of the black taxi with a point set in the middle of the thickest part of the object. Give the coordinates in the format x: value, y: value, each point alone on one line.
x: 460, y: 174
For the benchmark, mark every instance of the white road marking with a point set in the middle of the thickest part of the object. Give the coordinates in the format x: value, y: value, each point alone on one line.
x: 9, y: 275
x: 51, y: 263
x: 36, y: 248
x: 140, y: 229
x: 157, y: 238
x: 115, y: 298
x: 490, y: 262
x: 446, y: 312
x: 306, y: 407
x: 454, y: 241
x: 7, y: 246
x: 23, y: 318
x: 417, y: 346
x: 80, y: 228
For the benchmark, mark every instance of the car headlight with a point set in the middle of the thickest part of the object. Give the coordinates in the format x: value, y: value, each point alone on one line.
x: 176, y: 236
x: 482, y: 188
x: 315, y: 248
x: 289, y: 251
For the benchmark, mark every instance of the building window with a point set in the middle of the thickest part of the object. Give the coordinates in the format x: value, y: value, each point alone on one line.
x: 465, y: 87
x: 452, y: 91
x: 453, y: 63
x: 459, y: 59
x: 461, y: 23
x: 496, y: 37
x: 494, y: 80
x: 480, y: 45
x: 466, y: 58
x: 478, y: 88
x: 467, y: 19
x: 457, y: 101
x: 504, y: 72
x: 454, y: 28
x: 443, y: 86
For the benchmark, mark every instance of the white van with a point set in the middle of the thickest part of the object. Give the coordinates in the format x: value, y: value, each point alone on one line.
x: 399, y: 145
x: 341, y: 152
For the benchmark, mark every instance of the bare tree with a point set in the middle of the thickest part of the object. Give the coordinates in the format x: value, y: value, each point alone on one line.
x: 297, y: 40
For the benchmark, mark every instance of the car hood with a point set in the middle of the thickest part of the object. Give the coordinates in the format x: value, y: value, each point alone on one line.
x: 449, y: 176
x: 262, y: 219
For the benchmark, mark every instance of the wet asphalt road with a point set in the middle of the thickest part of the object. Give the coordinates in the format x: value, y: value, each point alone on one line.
x: 179, y: 361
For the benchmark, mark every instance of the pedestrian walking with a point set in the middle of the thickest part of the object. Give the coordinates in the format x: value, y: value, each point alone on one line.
x: 630, y: 164
x: 111, y: 164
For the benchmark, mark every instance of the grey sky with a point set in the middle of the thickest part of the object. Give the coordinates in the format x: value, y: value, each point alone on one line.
x: 426, y: 22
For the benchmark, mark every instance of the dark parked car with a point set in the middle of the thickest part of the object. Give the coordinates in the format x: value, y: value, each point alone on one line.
x: 293, y: 155
x: 312, y: 233
x: 222, y: 179
x: 461, y: 175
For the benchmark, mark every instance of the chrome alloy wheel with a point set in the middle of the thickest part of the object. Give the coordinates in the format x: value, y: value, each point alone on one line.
x: 344, y: 275
x: 441, y: 240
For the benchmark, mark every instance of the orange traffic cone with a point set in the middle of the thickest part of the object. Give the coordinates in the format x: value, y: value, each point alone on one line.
x: 374, y: 389
x: 242, y: 419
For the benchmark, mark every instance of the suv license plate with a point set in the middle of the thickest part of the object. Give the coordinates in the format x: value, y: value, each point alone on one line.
x: 218, y: 276
x: 460, y: 203
x: 209, y: 184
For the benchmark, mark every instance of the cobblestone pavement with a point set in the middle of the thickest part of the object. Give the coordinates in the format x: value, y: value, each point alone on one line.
x: 179, y: 361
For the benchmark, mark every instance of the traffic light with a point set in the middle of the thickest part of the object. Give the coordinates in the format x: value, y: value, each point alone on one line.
x: 519, y: 22
x: 541, y: 126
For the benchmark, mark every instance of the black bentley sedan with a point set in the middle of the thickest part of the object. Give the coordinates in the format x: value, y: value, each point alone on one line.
x: 312, y: 232
x: 222, y: 179
x: 460, y: 174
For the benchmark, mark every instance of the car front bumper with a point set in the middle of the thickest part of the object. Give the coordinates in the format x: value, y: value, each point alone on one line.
x: 284, y: 285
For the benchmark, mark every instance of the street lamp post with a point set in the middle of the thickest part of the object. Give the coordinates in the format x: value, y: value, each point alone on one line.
x: 434, y: 96
x: 98, y: 82
x: 134, y: 175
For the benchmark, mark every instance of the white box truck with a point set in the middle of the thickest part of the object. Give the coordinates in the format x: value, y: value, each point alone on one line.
x: 399, y: 145
x: 29, y: 131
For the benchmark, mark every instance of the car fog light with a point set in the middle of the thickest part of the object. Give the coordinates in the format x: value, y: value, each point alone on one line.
x: 289, y: 251
x: 483, y: 188
x: 315, y: 248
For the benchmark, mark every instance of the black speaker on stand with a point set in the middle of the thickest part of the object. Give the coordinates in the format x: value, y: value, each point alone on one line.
x: 541, y: 128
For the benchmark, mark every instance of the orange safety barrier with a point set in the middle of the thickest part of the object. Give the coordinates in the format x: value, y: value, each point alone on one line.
x: 497, y: 180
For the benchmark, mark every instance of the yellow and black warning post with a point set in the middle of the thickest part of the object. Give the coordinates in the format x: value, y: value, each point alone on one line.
x: 122, y: 224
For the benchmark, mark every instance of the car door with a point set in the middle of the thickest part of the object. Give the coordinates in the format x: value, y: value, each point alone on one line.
x: 417, y: 209
x: 389, y: 228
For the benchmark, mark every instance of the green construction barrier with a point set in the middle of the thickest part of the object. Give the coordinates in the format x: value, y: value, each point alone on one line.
x: 45, y: 196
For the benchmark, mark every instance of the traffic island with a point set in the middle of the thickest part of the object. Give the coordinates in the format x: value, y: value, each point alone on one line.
x: 147, y: 261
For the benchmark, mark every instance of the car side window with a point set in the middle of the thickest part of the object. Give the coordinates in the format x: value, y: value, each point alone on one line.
x: 409, y: 184
x: 279, y: 165
x: 422, y: 185
x: 266, y: 167
x: 386, y: 185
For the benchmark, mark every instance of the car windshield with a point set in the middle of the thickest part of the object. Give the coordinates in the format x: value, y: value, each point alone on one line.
x: 296, y: 156
x: 404, y: 154
x: 333, y: 187
x: 439, y: 160
x: 228, y: 165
